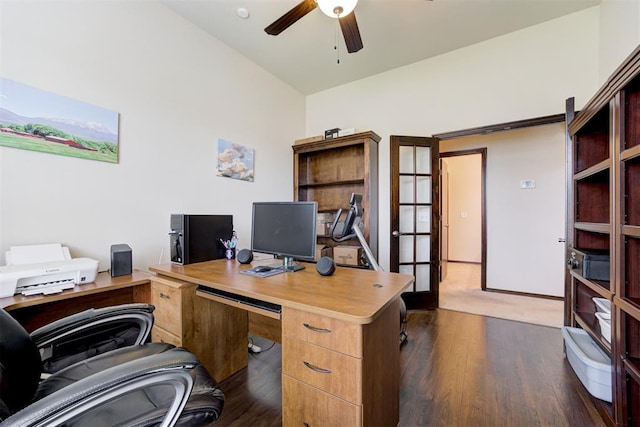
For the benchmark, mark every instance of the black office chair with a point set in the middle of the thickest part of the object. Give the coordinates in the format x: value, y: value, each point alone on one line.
x: 140, y: 385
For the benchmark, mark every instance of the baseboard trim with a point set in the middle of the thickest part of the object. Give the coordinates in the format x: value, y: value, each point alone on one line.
x: 524, y: 294
x: 463, y: 262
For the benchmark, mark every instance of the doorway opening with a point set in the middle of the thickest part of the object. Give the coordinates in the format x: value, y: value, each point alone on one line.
x: 463, y: 226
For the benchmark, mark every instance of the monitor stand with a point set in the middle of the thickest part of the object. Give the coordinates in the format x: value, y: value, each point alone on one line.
x: 288, y: 265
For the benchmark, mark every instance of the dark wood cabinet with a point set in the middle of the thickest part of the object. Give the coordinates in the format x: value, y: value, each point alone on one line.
x: 604, y: 215
x: 329, y: 171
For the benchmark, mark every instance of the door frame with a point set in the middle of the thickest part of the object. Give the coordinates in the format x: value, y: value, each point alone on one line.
x: 483, y: 205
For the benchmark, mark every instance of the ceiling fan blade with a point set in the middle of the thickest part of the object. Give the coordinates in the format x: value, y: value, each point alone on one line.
x: 351, y: 33
x: 290, y: 18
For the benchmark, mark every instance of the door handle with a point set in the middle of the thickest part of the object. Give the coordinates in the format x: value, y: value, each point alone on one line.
x: 396, y: 233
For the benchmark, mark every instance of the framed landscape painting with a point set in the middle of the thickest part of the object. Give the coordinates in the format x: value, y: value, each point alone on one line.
x: 37, y: 120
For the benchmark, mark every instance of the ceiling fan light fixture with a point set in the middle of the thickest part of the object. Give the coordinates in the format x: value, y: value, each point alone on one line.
x: 337, y: 8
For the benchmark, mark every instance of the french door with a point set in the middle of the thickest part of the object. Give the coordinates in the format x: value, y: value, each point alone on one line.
x: 415, y: 217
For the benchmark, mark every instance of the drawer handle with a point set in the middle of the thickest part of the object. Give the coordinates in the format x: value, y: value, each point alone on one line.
x: 314, y: 329
x: 165, y: 296
x: 315, y: 368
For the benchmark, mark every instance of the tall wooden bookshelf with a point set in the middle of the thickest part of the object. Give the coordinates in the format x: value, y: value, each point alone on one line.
x: 604, y: 215
x: 329, y: 171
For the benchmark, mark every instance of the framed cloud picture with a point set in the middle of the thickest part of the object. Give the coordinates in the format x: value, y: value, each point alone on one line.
x: 37, y: 120
x: 234, y: 161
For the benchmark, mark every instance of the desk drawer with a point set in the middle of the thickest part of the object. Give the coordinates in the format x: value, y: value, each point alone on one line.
x: 303, y: 405
x: 327, y: 332
x: 168, y: 302
x: 160, y: 335
x: 333, y: 372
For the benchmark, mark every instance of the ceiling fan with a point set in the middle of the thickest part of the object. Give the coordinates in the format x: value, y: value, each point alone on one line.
x: 339, y: 9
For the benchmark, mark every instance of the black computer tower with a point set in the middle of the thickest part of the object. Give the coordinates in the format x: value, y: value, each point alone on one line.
x: 196, y: 238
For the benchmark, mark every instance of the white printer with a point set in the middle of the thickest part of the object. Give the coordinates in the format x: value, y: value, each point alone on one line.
x: 45, y: 269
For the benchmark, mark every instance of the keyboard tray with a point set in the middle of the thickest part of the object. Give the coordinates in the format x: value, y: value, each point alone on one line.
x: 274, y: 308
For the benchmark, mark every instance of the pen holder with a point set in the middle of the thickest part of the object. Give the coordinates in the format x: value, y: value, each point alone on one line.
x: 230, y: 246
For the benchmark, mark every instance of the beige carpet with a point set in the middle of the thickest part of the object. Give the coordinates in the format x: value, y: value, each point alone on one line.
x: 460, y: 291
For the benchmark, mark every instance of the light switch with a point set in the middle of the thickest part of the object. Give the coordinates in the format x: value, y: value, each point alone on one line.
x: 464, y: 214
x: 528, y: 184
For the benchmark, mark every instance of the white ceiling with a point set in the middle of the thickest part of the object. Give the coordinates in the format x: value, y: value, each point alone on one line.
x: 394, y: 33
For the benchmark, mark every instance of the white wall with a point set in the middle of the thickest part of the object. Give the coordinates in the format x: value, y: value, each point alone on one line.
x: 177, y: 91
x: 523, y: 225
x: 619, y: 33
x: 465, y: 208
x: 521, y: 75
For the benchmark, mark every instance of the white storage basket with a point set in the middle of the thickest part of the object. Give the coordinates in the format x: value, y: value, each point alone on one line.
x: 605, y: 325
x: 590, y: 363
x: 602, y: 304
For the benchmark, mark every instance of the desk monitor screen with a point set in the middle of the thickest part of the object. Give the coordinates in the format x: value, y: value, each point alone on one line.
x: 285, y: 229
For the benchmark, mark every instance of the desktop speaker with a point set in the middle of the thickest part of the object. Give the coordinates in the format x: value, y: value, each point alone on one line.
x: 120, y: 260
x: 325, y: 266
x: 244, y: 256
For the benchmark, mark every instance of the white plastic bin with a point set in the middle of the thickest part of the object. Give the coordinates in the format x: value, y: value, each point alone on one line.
x: 602, y: 304
x: 590, y: 363
x: 605, y: 325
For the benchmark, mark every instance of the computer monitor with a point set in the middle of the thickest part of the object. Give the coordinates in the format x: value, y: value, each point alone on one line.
x: 285, y: 229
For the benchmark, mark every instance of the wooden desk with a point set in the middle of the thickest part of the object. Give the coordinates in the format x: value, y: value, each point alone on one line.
x: 340, y: 337
x: 38, y: 310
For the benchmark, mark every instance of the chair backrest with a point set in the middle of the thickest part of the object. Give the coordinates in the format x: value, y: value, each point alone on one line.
x: 20, y: 366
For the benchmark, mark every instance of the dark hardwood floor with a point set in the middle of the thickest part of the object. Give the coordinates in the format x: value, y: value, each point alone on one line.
x: 456, y: 369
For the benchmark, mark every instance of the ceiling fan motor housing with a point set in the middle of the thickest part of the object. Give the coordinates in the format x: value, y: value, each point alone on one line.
x: 337, y: 8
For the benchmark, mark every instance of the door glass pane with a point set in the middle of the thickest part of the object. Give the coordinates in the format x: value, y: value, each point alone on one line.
x: 423, y: 189
x: 406, y: 249
x: 423, y: 159
x: 406, y: 159
x: 407, y: 269
x: 423, y: 248
x: 423, y: 278
x: 406, y: 189
x: 423, y: 224
x: 406, y: 219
